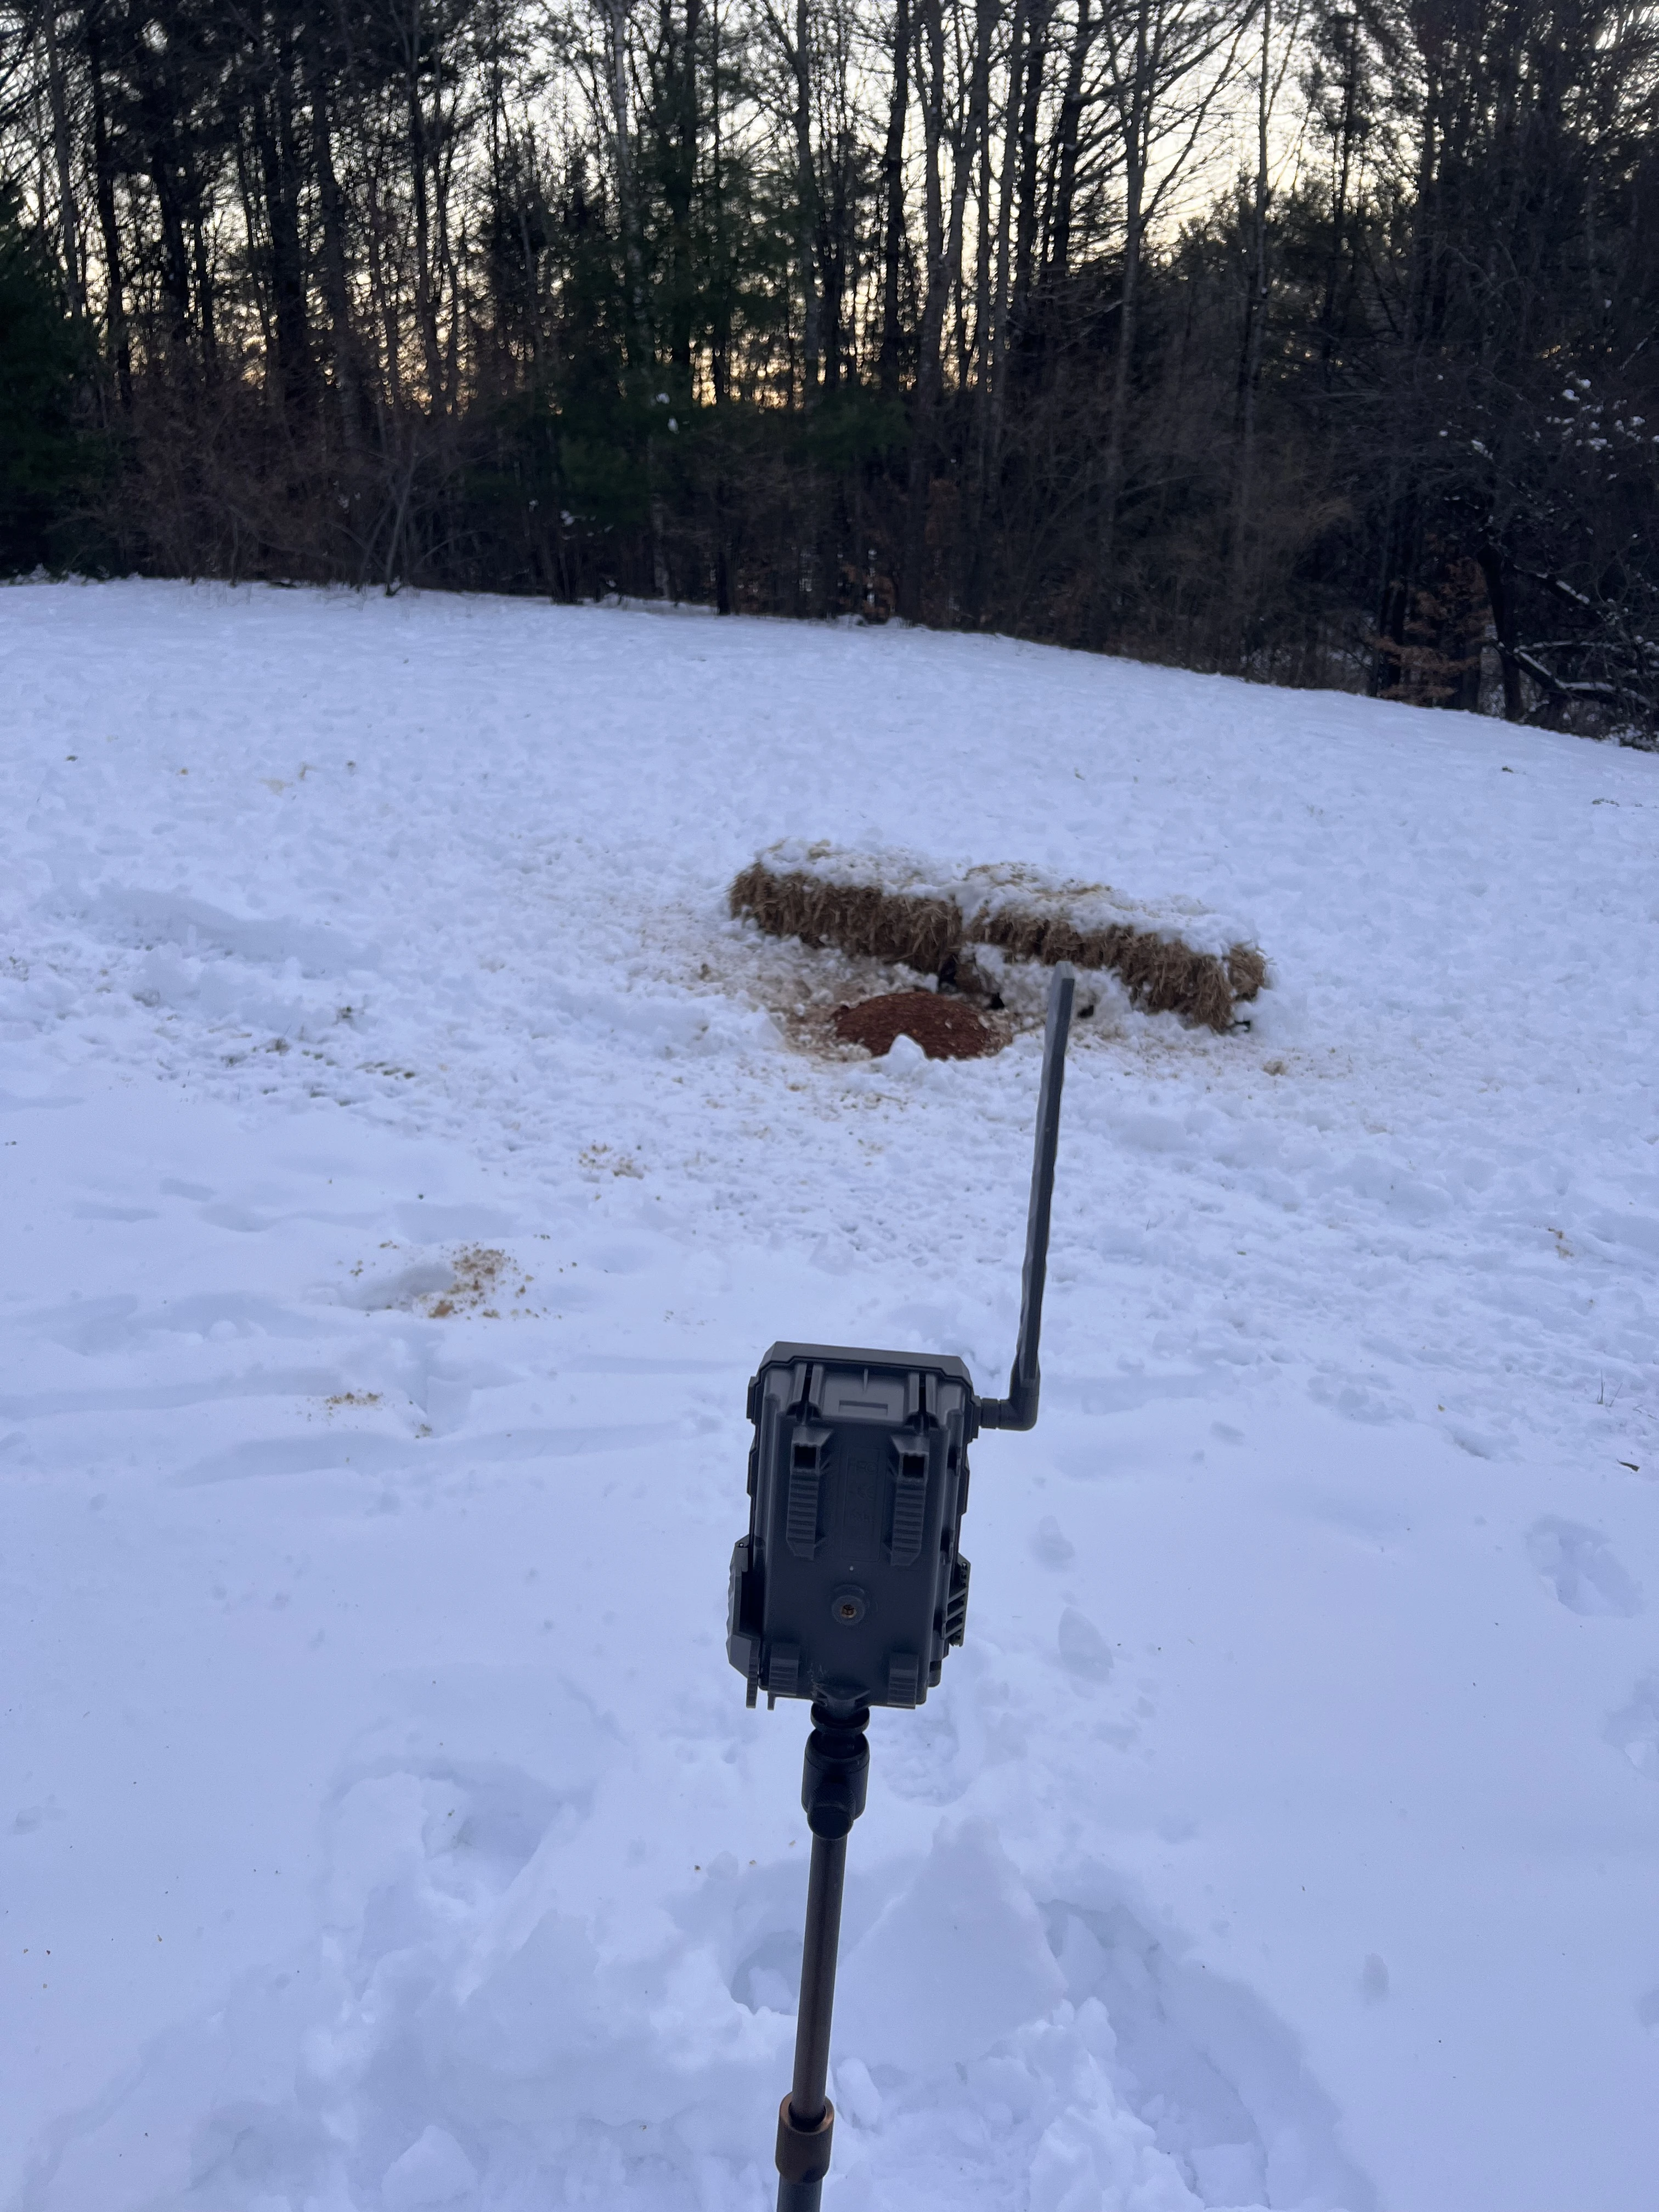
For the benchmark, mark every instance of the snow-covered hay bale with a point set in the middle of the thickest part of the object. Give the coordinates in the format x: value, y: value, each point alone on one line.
x: 1179, y: 959
x: 920, y: 931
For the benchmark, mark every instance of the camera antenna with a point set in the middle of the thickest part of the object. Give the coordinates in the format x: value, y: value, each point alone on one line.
x: 1018, y: 1410
x: 850, y: 1587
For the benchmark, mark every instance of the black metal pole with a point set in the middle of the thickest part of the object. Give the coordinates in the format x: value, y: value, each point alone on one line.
x: 833, y: 1793
x: 1018, y: 1410
x: 818, y: 1978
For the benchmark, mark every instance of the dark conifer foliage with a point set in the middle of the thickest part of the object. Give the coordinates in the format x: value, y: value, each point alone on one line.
x: 1309, y: 342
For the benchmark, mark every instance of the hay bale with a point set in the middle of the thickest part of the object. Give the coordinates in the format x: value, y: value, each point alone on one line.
x: 894, y: 906
x: 921, y: 932
x: 1246, y: 969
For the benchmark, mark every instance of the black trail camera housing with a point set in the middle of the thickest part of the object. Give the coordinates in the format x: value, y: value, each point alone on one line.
x: 850, y: 1585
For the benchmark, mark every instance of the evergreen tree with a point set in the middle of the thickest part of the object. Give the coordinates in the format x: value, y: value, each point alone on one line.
x: 44, y: 454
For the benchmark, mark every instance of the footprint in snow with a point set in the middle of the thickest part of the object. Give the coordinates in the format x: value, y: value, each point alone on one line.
x: 1634, y: 1728
x: 1579, y: 1565
x: 1050, y: 1545
x: 434, y: 2171
x: 1084, y: 1651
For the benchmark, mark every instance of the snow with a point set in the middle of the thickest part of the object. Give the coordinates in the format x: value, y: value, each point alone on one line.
x: 410, y: 1163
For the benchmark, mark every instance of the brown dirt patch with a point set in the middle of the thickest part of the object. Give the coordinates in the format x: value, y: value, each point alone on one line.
x: 945, y: 1029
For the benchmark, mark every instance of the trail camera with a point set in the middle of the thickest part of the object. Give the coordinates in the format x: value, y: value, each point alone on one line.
x: 850, y: 1586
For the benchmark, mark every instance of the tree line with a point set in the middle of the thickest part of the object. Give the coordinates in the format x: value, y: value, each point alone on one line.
x: 1302, y: 340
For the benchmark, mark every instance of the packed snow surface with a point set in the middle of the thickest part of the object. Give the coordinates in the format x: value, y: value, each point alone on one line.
x: 406, y: 1162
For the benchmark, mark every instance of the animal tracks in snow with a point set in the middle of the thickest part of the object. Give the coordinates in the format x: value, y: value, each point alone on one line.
x: 1634, y: 1728
x: 1084, y: 1651
x: 1580, y: 1566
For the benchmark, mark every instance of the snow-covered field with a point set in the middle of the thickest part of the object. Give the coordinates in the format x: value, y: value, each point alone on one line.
x: 406, y: 1173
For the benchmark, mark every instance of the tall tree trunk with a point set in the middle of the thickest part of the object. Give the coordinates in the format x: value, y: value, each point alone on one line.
x: 997, y: 366
x: 679, y: 174
x: 103, y: 163
x: 273, y: 121
x: 720, y: 336
x: 930, y: 74
x: 1128, y: 331
x: 389, y: 394
x: 204, y: 300
x: 68, y: 214
x: 1069, y: 132
x: 1347, y: 134
x: 425, y: 286
x: 982, y: 243
x: 1134, y: 85
x: 892, y: 187
x: 1041, y: 18
x: 336, y: 295
x: 977, y: 148
x: 982, y: 363
x: 175, y: 259
x: 806, y: 218
x: 1255, y: 322
x: 720, y: 340
x: 1498, y: 597
x: 943, y: 251
x: 638, y: 337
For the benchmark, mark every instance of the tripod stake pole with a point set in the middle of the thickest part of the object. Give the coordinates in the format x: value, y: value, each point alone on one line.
x: 833, y: 1791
